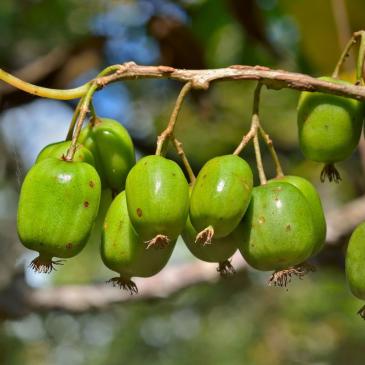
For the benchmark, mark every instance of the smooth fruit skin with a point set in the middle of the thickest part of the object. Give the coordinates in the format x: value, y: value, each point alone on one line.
x: 123, y: 251
x: 221, y: 194
x: 113, y: 151
x: 59, y: 149
x: 157, y: 198
x: 311, y: 194
x: 329, y: 126
x: 219, y: 250
x: 58, y: 204
x: 355, y: 259
x: 278, y: 227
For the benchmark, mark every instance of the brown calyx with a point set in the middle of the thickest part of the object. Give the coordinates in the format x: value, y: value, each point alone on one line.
x: 125, y: 284
x: 159, y: 241
x: 283, y: 277
x: 205, y: 236
x: 330, y: 172
x: 44, y: 265
x: 225, y: 268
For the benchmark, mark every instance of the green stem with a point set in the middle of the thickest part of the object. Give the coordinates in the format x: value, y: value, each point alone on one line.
x: 44, y: 91
x: 360, y: 59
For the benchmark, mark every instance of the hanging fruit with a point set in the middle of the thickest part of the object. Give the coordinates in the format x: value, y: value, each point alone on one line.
x: 123, y: 251
x: 58, y: 204
x: 158, y: 199
x: 220, y: 250
x: 329, y: 127
x: 355, y: 268
x: 220, y: 197
x: 314, y: 201
x: 278, y: 230
x: 113, y: 151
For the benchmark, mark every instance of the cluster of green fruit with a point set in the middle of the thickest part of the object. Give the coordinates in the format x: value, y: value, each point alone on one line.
x: 276, y: 226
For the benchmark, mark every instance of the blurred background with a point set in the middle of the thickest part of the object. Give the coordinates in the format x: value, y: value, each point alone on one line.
x: 63, y: 43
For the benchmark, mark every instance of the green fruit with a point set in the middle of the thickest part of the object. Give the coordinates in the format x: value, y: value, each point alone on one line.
x: 220, y: 196
x: 158, y: 199
x: 219, y: 250
x: 355, y: 259
x: 59, y: 149
x: 58, y: 203
x: 278, y: 228
x: 355, y: 268
x: 113, y: 151
x: 329, y: 125
x: 314, y: 201
x: 123, y: 251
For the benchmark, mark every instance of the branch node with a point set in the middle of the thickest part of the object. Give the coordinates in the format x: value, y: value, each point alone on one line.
x: 166, y: 69
x: 199, y: 83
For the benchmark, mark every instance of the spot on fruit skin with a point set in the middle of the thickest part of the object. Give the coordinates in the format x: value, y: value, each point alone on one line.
x: 139, y: 212
x: 69, y: 246
x: 86, y: 204
x: 91, y: 184
x: 288, y: 227
x: 262, y: 220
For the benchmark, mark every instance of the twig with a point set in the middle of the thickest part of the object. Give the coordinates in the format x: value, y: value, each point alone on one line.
x: 273, y: 79
x: 168, y: 132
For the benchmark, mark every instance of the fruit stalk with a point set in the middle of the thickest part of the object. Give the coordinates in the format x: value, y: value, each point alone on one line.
x: 179, y: 149
x: 84, y: 108
x: 360, y: 60
x: 169, y: 130
x: 345, y: 53
x: 74, y: 120
x: 274, y: 156
x: 260, y: 166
